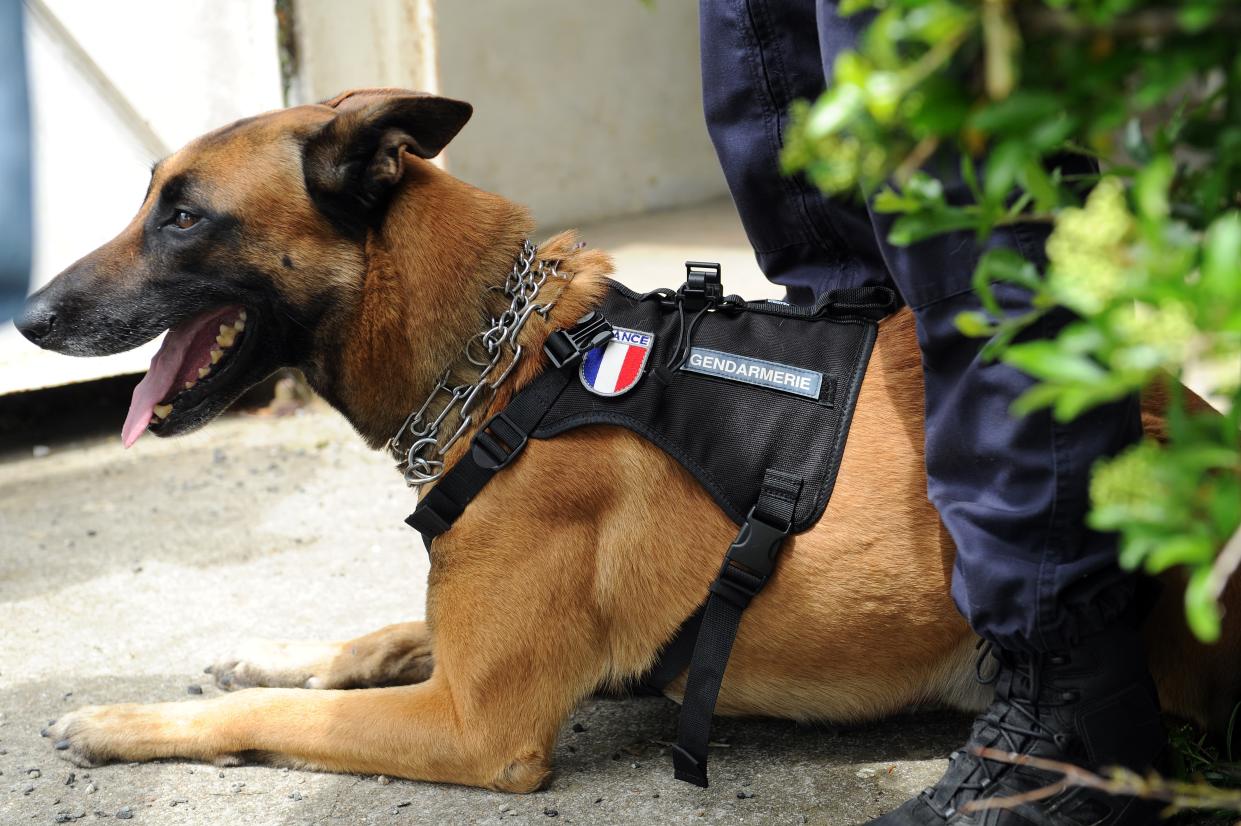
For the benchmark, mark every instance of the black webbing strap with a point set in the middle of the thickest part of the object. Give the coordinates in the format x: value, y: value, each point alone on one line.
x: 494, y: 446
x: 746, y: 569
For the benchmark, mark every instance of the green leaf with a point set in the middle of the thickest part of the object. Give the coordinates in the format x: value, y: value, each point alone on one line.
x: 1047, y: 361
x: 1150, y: 190
x: 1037, y: 182
x: 1002, y: 167
x: 1201, y: 612
x: 1180, y: 550
x: 910, y: 229
x: 1036, y: 398
x: 1020, y: 111
x: 833, y: 110
x: 974, y: 324
x: 888, y: 200
x: 1221, y: 260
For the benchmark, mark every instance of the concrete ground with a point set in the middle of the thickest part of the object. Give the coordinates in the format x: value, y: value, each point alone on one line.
x: 123, y: 573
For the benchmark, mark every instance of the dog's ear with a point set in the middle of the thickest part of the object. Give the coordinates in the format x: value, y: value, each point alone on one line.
x: 354, y: 160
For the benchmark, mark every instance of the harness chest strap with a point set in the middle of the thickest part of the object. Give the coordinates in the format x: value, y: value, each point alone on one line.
x: 495, y: 445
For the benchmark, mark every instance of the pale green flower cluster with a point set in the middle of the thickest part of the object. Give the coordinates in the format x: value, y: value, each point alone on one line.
x: 1131, y: 482
x: 1087, y: 249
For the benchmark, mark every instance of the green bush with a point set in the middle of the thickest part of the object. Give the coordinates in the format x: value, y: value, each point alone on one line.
x: 1147, y: 253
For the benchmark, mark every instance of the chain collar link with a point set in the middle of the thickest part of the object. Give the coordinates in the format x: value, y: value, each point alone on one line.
x: 421, y: 442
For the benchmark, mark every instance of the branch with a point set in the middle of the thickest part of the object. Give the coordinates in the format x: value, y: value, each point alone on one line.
x: 1225, y: 566
x: 1178, y: 794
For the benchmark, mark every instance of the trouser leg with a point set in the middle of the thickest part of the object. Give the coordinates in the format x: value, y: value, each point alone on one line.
x: 758, y: 56
x: 1012, y: 491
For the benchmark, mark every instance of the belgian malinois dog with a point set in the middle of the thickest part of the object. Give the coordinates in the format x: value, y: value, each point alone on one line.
x: 320, y: 237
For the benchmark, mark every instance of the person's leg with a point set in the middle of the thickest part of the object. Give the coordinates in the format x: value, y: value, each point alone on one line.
x: 758, y: 56
x: 1042, y: 589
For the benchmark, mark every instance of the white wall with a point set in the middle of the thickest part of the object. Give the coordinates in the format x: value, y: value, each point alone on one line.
x: 583, y: 109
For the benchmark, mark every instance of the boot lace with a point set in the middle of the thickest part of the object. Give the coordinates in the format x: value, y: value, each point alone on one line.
x: 1012, y: 723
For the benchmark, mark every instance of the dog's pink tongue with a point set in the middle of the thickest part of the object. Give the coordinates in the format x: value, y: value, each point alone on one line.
x: 157, y: 382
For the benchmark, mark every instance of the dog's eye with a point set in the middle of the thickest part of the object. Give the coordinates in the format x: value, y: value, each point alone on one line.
x: 183, y: 220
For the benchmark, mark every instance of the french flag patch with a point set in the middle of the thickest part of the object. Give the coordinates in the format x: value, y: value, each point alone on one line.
x: 615, y: 367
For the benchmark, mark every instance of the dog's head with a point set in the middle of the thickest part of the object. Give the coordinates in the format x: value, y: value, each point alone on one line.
x: 245, y: 238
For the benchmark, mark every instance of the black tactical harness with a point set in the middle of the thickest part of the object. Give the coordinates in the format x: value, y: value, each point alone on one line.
x: 753, y: 398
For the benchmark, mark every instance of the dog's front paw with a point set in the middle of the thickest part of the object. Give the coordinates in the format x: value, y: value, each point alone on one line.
x: 93, y: 735
x: 267, y: 664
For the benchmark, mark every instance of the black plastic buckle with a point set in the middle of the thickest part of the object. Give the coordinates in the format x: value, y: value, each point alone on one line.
x: 703, y: 285
x: 564, y: 347
x: 497, y: 443
x: 750, y: 560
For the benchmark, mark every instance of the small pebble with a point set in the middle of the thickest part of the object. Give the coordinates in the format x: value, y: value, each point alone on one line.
x: 35, y: 774
x: 71, y: 779
x: 237, y: 787
x: 743, y: 795
x: 178, y: 800
x: 295, y: 796
x: 404, y: 803
x: 504, y: 808
x: 551, y: 812
x: 579, y: 728
x: 383, y: 779
x: 656, y: 795
x: 28, y: 790
x: 125, y: 813
x: 700, y: 812
x: 598, y: 800
x: 194, y: 688
x: 90, y: 788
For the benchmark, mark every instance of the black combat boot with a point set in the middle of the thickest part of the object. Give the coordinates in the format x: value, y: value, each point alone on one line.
x: 1094, y: 706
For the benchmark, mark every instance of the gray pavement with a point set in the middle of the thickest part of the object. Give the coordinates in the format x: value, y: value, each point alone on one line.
x: 123, y: 573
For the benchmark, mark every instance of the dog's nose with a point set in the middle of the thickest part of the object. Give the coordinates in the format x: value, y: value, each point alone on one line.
x: 37, y: 319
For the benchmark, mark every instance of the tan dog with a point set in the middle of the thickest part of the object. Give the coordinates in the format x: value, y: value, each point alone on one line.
x: 318, y: 237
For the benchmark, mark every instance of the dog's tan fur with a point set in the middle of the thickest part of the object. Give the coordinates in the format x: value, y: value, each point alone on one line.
x: 560, y: 579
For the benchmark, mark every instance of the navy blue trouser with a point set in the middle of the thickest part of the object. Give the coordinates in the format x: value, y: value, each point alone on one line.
x: 1011, y: 491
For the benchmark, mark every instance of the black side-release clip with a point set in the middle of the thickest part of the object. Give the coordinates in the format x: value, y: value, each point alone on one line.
x: 750, y: 560
x: 564, y: 347
x: 703, y: 285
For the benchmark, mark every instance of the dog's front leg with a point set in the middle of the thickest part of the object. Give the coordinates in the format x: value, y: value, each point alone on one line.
x: 417, y: 732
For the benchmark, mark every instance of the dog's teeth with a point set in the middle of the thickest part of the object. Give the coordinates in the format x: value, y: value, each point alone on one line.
x: 242, y: 315
x: 162, y: 410
x: 216, y: 355
x: 239, y: 324
x: 203, y: 371
x: 188, y: 385
x: 227, y: 336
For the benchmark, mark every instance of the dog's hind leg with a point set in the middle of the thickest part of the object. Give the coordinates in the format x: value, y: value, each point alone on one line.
x: 395, y: 655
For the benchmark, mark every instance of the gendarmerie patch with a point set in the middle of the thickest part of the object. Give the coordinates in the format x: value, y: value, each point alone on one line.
x: 750, y: 370
x: 615, y: 368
